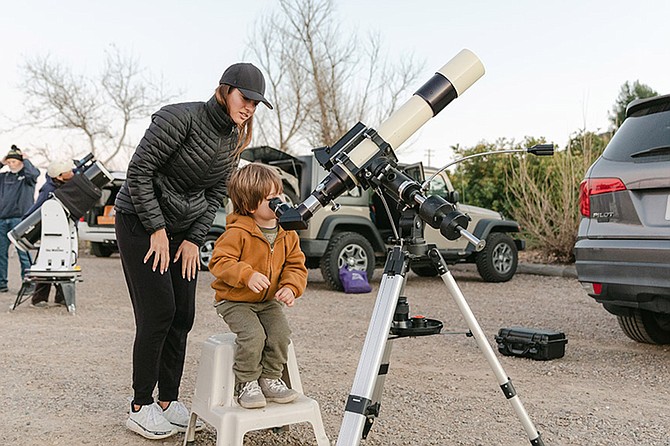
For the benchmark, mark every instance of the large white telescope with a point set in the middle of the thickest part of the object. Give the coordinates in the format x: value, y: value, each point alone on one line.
x: 349, y: 158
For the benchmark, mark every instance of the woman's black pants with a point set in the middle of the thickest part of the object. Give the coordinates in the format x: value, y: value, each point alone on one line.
x: 164, y: 306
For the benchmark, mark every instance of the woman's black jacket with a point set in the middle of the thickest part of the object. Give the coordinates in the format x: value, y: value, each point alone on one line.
x: 177, y: 177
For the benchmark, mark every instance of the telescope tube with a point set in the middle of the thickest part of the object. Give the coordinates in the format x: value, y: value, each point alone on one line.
x: 450, y: 81
x: 447, y: 84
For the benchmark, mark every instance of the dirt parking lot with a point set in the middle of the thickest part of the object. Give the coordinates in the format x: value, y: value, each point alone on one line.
x: 66, y: 379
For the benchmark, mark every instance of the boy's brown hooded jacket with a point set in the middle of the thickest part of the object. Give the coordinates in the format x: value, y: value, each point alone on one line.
x: 243, y: 249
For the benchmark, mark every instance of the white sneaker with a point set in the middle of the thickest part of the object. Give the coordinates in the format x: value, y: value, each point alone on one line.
x: 178, y: 415
x: 275, y: 390
x: 149, y: 422
x: 250, y: 395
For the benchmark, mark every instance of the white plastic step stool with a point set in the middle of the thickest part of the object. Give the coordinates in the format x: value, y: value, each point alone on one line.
x: 214, y: 400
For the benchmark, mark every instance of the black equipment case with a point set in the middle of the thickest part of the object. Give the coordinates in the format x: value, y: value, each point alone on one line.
x: 531, y: 343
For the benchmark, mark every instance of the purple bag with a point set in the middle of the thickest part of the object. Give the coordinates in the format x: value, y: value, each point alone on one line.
x: 354, y: 281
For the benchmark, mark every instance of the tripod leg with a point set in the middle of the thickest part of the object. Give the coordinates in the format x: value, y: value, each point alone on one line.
x: 376, y: 400
x: 68, y: 293
x: 364, y: 388
x: 502, y: 378
x: 21, y: 296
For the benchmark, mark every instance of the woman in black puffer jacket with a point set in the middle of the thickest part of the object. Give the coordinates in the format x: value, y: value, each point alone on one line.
x: 176, y: 181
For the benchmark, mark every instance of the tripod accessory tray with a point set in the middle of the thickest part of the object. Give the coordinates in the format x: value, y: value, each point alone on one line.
x: 537, y: 344
x: 418, y: 326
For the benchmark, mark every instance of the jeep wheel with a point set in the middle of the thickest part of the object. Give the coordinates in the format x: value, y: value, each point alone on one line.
x: 347, y: 248
x: 206, y: 251
x: 100, y: 250
x: 646, y: 326
x: 498, y: 260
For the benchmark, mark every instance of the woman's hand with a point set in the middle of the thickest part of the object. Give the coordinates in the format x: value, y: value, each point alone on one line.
x: 160, y: 249
x: 258, y: 282
x: 190, y: 259
x: 286, y: 295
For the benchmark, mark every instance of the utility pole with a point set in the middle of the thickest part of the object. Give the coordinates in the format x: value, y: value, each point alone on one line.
x: 429, y: 153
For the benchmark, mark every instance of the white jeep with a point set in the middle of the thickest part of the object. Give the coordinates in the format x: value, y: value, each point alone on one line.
x: 358, y: 233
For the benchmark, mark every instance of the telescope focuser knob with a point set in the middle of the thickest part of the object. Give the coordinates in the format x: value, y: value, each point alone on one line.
x: 453, y: 223
x: 334, y: 206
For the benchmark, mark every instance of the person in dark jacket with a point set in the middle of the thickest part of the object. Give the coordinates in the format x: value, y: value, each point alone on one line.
x: 58, y: 173
x: 17, y: 194
x: 176, y: 181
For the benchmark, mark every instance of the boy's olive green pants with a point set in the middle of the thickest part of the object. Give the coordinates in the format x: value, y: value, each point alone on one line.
x: 262, y: 340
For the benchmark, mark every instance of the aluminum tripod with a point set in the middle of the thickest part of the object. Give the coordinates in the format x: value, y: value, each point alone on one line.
x: 364, y: 400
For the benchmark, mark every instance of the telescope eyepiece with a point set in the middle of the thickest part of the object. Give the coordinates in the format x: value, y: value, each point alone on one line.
x: 278, y: 206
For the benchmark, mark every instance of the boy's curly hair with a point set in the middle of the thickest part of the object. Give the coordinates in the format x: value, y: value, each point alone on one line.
x: 250, y: 185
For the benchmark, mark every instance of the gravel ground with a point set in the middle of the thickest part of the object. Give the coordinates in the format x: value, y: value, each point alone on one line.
x: 66, y: 379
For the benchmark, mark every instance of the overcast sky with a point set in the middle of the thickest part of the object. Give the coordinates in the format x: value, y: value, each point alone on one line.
x: 551, y: 67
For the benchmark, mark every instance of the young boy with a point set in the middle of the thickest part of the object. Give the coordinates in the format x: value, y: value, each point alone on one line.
x: 259, y: 268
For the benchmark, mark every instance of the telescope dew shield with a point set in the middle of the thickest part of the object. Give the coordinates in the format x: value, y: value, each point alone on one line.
x: 78, y: 195
x: 98, y: 174
x: 450, y: 81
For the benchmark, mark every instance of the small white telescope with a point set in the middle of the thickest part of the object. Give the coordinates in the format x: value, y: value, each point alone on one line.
x: 51, y: 230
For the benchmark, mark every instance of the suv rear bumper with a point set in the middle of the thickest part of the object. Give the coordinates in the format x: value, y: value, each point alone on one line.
x: 633, y: 273
x: 96, y: 234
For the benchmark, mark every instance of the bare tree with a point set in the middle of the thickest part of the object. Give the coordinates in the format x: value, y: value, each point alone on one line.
x: 286, y: 83
x: 100, y: 109
x: 323, y: 82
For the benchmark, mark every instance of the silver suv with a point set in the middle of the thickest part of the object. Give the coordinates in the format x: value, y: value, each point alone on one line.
x: 623, y: 244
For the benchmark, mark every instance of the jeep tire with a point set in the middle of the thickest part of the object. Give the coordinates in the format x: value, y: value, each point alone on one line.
x: 100, y: 250
x: 349, y: 248
x: 498, y: 260
x: 205, y: 251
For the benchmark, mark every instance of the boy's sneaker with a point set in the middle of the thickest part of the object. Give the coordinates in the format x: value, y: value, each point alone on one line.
x: 4, y: 289
x: 149, y: 422
x: 250, y: 395
x: 275, y: 390
x: 178, y: 415
x: 40, y: 304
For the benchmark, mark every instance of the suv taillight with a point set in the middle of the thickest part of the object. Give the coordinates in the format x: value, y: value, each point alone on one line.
x: 596, y: 186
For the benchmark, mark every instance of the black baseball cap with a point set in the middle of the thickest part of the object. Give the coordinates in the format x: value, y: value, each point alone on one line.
x: 248, y: 79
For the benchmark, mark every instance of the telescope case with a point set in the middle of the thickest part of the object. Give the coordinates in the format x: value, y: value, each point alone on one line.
x: 538, y: 344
